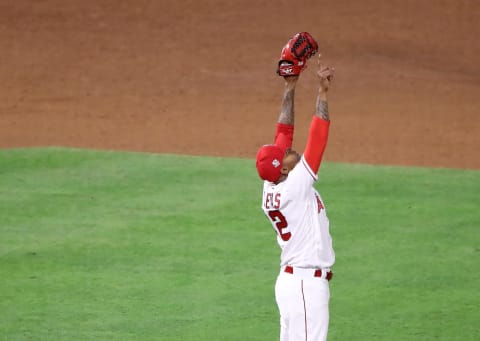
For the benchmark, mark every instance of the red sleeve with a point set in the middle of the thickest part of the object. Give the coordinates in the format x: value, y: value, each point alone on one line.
x: 316, y: 143
x: 284, y: 136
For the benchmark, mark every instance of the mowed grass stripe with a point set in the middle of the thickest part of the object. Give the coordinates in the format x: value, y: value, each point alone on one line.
x: 121, y: 246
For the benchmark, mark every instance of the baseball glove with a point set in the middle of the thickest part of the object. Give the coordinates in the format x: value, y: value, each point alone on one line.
x: 295, y: 54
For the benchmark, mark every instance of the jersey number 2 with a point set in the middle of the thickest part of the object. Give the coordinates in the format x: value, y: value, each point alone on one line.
x: 280, y: 223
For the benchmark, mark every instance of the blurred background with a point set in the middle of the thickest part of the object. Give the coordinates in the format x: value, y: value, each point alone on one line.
x: 198, y: 77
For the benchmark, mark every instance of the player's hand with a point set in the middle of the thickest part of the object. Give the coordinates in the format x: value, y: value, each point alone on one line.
x: 325, y: 75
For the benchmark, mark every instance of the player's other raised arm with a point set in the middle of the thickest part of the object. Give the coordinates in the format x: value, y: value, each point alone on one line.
x: 318, y: 134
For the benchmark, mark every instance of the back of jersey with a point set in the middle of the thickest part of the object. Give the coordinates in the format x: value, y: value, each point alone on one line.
x: 299, y: 218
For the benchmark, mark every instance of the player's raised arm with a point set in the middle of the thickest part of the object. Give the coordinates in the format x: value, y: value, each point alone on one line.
x: 286, y: 119
x: 287, y: 110
x: 318, y: 134
x: 274, y: 162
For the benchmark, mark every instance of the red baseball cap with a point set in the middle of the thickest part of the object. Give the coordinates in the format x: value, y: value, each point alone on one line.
x: 269, y: 162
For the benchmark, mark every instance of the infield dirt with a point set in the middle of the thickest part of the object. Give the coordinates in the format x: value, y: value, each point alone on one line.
x: 198, y: 77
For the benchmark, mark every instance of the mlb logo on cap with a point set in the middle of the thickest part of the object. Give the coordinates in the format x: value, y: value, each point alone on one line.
x: 269, y: 162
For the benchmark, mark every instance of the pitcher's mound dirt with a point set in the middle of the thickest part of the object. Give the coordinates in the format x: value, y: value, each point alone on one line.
x: 197, y: 77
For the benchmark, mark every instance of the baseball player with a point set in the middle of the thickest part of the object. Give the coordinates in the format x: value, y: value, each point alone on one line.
x: 294, y: 207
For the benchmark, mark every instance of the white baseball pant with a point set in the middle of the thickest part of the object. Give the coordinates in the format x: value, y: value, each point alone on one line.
x: 303, y: 302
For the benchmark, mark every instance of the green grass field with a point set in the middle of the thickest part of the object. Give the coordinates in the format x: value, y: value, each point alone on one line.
x: 129, y: 246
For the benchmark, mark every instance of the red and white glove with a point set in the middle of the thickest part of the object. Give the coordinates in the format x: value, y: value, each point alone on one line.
x: 295, y: 54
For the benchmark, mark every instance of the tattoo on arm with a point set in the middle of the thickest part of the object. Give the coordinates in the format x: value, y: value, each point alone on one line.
x: 322, y: 109
x: 287, y: 111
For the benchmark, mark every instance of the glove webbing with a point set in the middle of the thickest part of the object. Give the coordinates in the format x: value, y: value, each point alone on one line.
x: 301, y: 39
